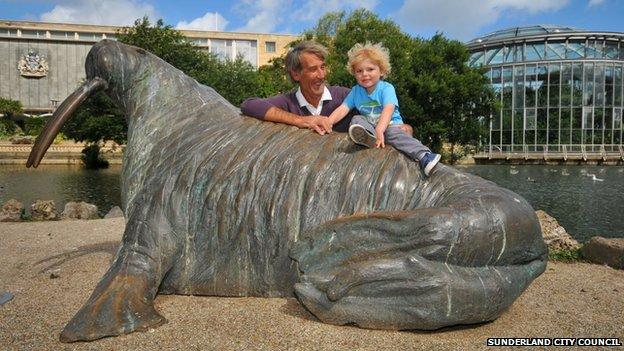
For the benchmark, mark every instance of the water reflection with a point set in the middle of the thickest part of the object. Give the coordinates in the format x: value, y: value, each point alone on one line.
x: 61, y: 184
x: 586, y: 200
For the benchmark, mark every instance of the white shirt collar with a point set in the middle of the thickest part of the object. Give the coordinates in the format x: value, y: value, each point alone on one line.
x: 314, y: 110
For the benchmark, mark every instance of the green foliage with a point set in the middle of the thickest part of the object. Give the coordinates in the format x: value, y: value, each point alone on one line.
x: 10, y: 107
x: 60, y: 137
x: 565, y: 255
x: 273, y: 78
x: 97, y: 119
x: 168, y: 44
x: 8, y: 128
x: 91, y: 157
x: 235, y: 80
x: 439, y: 94
x: 34, y: 125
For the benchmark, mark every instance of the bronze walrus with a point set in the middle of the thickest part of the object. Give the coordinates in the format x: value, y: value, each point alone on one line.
x: 221, y: 204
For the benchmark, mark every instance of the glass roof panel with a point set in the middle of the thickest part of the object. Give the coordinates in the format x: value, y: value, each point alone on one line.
x: 523, y: 31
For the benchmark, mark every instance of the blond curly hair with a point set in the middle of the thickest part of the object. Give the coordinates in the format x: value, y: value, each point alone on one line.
x: 376, y: 53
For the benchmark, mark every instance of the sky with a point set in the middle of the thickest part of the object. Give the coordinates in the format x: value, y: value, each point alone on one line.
x: 456, y: 19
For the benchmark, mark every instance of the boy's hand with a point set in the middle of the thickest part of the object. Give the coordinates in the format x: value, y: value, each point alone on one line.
x: 319, y: 124
x: 379, y: 134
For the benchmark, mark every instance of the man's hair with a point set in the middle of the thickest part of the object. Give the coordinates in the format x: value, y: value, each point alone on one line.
x: 376, y: 53
x: 293, y: 61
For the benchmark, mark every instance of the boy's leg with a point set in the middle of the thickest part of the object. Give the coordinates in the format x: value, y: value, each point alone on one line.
x: 362, y: 132
x: 412, y: 147
x: 405, y: 143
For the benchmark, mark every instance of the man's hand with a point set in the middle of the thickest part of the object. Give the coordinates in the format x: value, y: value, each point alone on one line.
x: 319, y: 124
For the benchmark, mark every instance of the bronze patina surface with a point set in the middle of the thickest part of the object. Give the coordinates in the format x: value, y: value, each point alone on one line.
x: 221, y: 204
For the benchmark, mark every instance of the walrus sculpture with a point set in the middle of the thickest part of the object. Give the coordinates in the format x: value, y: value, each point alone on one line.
x: 221, y: 204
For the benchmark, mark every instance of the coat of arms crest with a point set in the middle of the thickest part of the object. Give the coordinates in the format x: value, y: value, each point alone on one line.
x: 32, y: 65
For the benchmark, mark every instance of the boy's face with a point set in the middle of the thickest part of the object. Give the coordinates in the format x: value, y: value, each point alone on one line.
x: 367, y: 74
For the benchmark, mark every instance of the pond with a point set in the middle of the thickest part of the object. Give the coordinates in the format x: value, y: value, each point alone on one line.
x: 586, y: 200
x: 61, y: 184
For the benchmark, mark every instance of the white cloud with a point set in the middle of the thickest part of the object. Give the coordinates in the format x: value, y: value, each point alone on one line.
x: 268, y: 14
x: 314, y: 9
x: 210, y: 21
x: 461, y: 19
x: 595, y: 2
x: 111, y: 12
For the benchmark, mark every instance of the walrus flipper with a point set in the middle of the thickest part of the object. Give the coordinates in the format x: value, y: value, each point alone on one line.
x: 123, y: 301
x: 406, y: 270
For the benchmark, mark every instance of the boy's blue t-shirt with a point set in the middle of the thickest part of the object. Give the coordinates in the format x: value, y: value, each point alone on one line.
x: 370, y: 105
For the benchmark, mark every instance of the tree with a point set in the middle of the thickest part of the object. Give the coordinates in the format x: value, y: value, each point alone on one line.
x: 11, y: 111
x: 99, y: 120
x: 453, y: 96
x: 439, y: 94
x: 10, y: 107
x: 274, y: 79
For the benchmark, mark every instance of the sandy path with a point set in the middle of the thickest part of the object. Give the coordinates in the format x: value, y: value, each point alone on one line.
x: 568, y: 300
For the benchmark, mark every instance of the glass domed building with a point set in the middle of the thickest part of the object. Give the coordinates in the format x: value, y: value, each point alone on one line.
x: 560, y: 91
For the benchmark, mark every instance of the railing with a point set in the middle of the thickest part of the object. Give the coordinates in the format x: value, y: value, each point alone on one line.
x: 7, y: 147
x: 555, y: 151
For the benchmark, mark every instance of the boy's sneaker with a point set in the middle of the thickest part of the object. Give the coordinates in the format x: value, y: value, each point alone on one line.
x: 361, y: 136
x: 428, y: 162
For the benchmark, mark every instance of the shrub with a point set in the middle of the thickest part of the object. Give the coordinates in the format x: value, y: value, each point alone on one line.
x: 8, y: 128
x: 34, y: 125
x: 91, y: 157
x: 566, y: 255
x: 10, y: 107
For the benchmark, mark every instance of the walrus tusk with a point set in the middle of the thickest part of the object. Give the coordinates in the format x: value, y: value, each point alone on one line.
x: 62, y: 113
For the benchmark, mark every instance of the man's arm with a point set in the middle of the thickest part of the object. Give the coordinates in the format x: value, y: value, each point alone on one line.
x: 319, y: 124
x: 276, y: 109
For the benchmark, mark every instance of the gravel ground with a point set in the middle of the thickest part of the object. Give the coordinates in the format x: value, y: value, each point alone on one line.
x: 52, y: 267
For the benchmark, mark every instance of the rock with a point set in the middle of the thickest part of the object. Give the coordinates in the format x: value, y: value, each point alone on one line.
x: 555, y: 235
x: 43, y: 210
x: 12, y: 211
x: 114, y: 212
x: 22, y: 139
x: 609, y: 251
x: 5, y: 297
x: 79, y: 210
x: 55, y: 274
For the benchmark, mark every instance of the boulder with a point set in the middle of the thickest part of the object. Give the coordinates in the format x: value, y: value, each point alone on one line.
x: 27, y: 139
x: 43, y: 210
x: 79, y: 210
x: 555, y: 236
x: 609, y: 251
x: 114, y: 212
x: 12, y: 211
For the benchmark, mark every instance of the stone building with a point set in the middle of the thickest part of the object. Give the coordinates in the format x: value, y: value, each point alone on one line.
x: 42, y: 63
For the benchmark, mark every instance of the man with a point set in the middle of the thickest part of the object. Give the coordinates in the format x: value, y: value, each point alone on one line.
x: 313, y: 101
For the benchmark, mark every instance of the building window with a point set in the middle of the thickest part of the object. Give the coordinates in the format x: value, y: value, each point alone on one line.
x: 32, y: 34
x: 269, y: 46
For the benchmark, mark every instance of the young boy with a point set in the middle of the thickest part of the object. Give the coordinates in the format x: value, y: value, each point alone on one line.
x: 377, y: 103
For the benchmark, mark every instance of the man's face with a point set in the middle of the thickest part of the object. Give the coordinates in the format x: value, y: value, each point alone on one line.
x: 311, y: 79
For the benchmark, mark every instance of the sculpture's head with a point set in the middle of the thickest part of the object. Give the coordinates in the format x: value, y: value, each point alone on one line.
x: 110, y: 66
